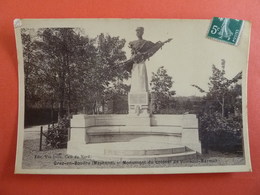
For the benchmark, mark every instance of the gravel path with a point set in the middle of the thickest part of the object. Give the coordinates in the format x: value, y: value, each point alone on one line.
x: 33, y: 132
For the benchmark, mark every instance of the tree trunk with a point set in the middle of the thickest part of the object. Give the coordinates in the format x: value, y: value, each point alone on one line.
x: 62, y: 93
x: 103, y: 106
x: 223, y: 107
x: 94, y: 108
x: 52, y: 112
x: 69, y: 83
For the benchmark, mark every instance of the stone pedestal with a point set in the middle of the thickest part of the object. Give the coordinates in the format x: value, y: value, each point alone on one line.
x: 138, y: 98
x: 138, y: 103
x: 138, y: 109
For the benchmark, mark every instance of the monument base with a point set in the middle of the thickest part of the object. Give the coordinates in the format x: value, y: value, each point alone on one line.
x: 131, y: 137
x: 138, y: 104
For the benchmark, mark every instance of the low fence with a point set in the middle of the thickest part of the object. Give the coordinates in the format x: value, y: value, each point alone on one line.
x: 55, y: 137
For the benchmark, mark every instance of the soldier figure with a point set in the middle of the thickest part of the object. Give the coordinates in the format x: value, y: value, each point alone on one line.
x: 141, y: 50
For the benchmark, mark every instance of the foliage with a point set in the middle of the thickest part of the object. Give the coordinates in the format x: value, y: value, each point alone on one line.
x: 31, y: 70
x: 221, y: 114
x: 66, y: 69
x: 109, y: 53
x: 223, y: 93
x: 190, y: 104
x: 161, y: 92
x: 120, y: 97
x: 57, y: 136
x: 220, y: 133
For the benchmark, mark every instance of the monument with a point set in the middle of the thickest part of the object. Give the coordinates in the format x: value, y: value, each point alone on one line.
x: 138, y: 135
x: 138, y: 98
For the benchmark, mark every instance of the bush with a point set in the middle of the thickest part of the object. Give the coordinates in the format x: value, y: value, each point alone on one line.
x: 220, y: 133
x: 57, y: 137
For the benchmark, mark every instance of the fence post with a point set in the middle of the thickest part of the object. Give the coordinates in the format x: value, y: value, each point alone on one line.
x: 41, y: 139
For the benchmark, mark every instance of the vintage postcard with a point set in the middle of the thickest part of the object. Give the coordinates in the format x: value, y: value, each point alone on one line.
x: 132, y: 96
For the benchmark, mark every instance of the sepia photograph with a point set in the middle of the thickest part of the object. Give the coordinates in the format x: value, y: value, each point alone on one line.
x: 132, y: 96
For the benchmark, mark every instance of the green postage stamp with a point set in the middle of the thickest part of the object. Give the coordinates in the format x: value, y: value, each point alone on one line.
x: 226, y: 30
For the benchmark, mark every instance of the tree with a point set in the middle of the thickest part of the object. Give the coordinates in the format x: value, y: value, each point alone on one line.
x: 104, y: 72
x: 59, y: 49
x: 31, y: 69
x: 66, y: 68
x: 220, y: 116
x: 161, y: 85
x: 220, y: 88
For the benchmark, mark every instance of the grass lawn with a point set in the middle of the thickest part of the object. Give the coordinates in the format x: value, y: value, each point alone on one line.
x: 57, y: 158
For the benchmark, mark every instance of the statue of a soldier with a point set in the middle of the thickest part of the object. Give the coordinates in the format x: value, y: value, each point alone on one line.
x: 138, y: 69
x: 141, y: 50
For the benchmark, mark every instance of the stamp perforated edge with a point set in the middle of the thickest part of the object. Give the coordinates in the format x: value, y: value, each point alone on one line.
x: 223, y: 41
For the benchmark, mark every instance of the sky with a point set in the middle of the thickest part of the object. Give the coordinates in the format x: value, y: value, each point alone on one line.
x: 188, y: 58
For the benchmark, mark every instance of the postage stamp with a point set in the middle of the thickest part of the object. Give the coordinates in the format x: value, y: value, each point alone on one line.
x: 226, y: 30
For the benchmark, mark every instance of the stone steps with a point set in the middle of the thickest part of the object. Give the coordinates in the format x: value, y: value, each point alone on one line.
x: 162, y: 157
x: 144, y: 152
x: 139, y: 151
